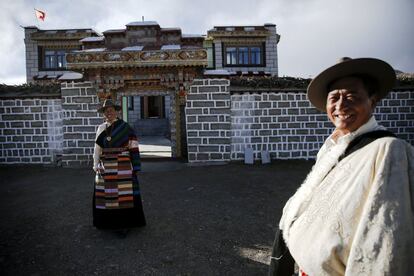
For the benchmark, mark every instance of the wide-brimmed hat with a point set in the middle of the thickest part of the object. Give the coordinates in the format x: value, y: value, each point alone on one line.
x: 108, y: 103
x: 379, y: 70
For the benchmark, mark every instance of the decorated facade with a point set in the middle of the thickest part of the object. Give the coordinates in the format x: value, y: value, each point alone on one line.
x: 149, y: 69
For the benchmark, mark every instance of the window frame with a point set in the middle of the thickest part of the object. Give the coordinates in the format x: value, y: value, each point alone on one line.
x: 57, y: 57
x: 239, y: 53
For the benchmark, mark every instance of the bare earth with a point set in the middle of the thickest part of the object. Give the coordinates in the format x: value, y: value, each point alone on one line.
x: 210, y: 220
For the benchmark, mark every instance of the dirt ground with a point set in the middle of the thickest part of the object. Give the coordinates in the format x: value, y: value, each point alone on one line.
x: 201, y: 220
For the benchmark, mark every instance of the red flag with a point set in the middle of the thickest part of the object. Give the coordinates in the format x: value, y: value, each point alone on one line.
x: 40, y: 15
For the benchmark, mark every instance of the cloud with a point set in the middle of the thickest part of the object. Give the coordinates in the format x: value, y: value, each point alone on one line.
x: 328, y: 30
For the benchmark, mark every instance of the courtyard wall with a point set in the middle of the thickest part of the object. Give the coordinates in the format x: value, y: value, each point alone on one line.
x: 31, y: 129
x: 222, y: 121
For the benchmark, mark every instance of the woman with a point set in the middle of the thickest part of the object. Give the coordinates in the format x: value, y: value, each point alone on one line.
x: 117, y: 201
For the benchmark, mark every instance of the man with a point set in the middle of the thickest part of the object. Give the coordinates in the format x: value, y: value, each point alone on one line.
x: 354, y: 213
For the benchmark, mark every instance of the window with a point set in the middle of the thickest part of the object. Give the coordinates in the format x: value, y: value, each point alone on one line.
x: 255, y: 55
x: 244, y: 56
x: 210, y: 54
x: 231, y: 54
x: 53, y: 59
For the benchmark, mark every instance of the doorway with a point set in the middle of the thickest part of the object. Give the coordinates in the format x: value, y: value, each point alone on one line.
x: 150, y: 116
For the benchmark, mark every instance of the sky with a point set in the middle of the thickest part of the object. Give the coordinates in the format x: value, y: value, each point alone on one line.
x: 314, y: 33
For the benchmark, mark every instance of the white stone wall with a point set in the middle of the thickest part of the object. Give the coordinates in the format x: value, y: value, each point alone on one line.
x: 220, y: 124
x: 208, y: 121
x: 30, y: 131
x: 286, y: 125
x: 80, y: 122
x: 280, y: 122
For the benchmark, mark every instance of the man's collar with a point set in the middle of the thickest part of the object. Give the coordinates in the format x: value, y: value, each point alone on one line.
x: 370, y: 125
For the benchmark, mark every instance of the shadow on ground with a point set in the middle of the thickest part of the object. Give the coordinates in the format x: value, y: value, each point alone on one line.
x: 215, y: 220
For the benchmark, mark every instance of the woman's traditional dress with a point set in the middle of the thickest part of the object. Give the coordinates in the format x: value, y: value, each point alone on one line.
x: 117, y: 200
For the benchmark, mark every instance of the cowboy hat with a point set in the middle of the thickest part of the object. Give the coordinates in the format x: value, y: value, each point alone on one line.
x: 108, y: 103
x: 381, y: 71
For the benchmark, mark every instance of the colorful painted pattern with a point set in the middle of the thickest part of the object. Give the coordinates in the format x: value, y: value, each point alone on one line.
x: 114, y: 186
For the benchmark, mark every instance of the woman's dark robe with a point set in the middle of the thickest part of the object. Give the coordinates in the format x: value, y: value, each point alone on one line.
x: 117, y: 199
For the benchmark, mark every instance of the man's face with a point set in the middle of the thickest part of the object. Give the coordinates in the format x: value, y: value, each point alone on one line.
x: 348, y: 105
x: 110, y: 114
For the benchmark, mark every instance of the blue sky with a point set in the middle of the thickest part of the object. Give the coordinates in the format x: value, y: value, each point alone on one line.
x: 314, y: 33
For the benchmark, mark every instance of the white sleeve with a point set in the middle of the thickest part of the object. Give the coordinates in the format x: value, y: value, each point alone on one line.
x: 97, y: 151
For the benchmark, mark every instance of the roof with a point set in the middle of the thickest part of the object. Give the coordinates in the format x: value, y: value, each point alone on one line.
x: 133, y: 48
x: 51, y: 90
x: 114, y: 31
x: 93, y: 39
x: 241, y: 28
x: 80, y: 30
x: 192, y: 36
x: 142, y: 23
x: 170, y: 30
x: 63, y: 34
x: 218, y: 72
x: 71, y: 76
x: 171, y: 47
x: 91, y: 50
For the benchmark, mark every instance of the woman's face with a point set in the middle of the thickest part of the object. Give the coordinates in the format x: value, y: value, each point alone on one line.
x: 348, y: 104
x: 110, y: 114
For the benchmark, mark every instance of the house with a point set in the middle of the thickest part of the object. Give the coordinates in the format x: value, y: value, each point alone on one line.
x: 148, y: 68
x: 188, y: 88
x: 231, y: 50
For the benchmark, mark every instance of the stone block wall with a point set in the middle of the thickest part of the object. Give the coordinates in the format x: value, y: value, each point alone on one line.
x: 208, y: 121
x: 280, y: 122
x: 221, y: 123
x: 396, y: 113
x: 80, y: 122
x: 30, y: 130
x: 286, y: 125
